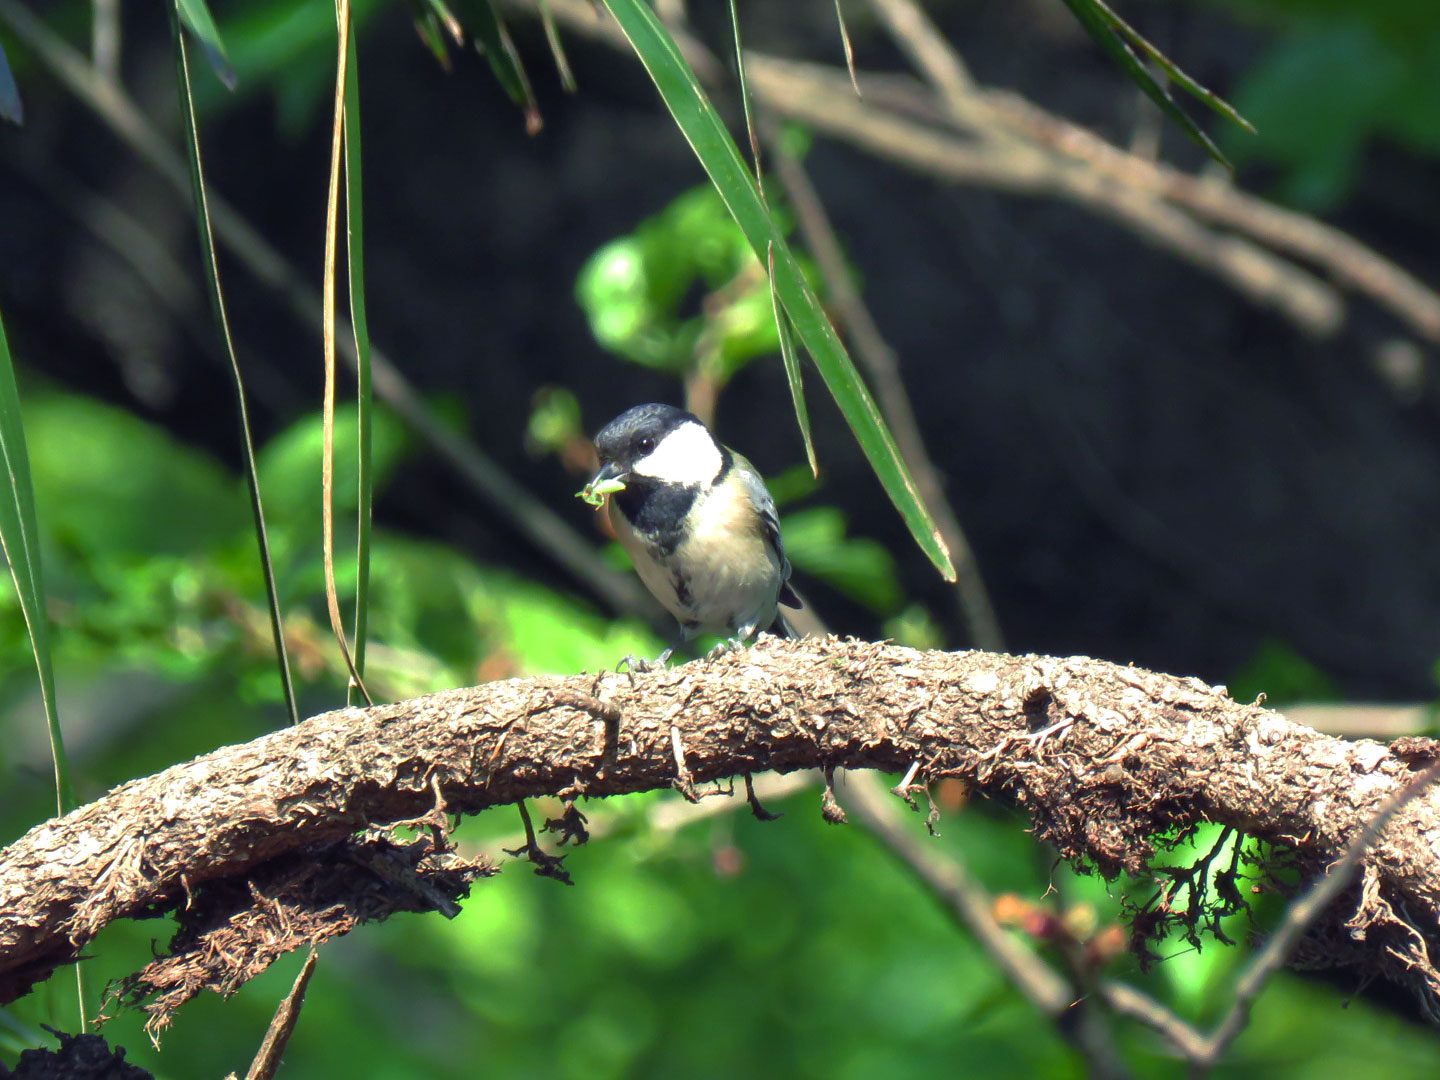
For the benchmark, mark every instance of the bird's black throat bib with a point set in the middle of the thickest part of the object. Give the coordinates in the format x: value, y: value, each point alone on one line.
x: 657, y: 511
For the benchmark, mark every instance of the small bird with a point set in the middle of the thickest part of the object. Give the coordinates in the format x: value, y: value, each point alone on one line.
x: 696, y: 520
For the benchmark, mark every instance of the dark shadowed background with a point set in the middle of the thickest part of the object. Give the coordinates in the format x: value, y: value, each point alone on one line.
x: 1150, y: 467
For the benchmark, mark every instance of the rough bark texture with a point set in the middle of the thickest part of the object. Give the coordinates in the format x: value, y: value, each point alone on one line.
x: 253, y: 837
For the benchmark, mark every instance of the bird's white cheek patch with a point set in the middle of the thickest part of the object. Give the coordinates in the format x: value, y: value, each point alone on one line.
x: 688, y: 455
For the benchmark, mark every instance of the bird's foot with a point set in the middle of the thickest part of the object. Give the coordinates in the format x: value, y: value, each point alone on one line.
x: 637, y: 665
x: 725, y: 647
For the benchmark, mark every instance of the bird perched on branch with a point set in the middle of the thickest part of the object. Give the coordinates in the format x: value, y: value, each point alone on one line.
x: 696, y: 520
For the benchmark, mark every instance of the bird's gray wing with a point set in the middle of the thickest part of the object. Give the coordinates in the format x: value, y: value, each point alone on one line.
x: 765, y: 506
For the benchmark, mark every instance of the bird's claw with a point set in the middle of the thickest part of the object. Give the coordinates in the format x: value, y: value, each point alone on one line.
x: 637, y: 665
x: 725, y: 647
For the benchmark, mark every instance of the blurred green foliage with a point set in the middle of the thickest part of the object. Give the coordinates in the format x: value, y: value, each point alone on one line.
x: 635, y: 290
x: 1337, y: 76
x: 1283, y: 676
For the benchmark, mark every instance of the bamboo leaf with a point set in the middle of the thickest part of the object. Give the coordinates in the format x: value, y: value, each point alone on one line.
x: 494, y: 41
x: 717, y: 152
x: 557, y: 48
x: 792, y: 367
x: 1107, y: 28
x: 782, y: 321
x: 1172, y: 69
x: 210, y: 261
x: 749, y: 114
x: 20, y: 540
x: 11, y: 108
x: 427, y: 25
x: 195, y: 14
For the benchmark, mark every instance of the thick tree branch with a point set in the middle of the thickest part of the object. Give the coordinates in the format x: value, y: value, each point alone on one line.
x: 1104, y: 757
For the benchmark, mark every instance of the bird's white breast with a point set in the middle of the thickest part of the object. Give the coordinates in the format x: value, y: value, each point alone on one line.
x: 730, y: 571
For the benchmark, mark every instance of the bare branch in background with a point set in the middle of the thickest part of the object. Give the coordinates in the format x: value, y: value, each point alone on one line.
x: 105, y: 38
x: 954, y: 886
x: 971, y: 134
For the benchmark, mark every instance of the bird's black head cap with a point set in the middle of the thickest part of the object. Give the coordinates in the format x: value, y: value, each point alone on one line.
x: 637, y: 431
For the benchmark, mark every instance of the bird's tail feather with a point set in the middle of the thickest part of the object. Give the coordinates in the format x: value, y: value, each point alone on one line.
x: 781, y: 627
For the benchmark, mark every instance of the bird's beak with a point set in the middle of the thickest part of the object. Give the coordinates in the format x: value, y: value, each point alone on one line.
x: 610, y: 479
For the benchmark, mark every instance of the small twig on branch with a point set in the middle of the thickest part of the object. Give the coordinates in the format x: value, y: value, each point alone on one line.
x: 1126, y: 1000
x: 546, y: 865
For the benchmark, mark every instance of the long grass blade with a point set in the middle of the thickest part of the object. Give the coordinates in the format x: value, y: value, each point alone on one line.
x: 717, y: 152
x: 20, y: 542
x: 788, y: 355
x: 745, y: 101
x: 360, y: 324
x: 222, y: 323
x: 195, y: 14
x: 327, y: 478
x: 11, y: 107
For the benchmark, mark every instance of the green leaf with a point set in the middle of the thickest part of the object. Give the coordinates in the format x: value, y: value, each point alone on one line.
x: 10, y: 106
x: 195, y: 14
x: 20, y: 540
x: 782, y: 321
x: 1110, y: 33
x: 717, y: 152
x: 427, y: 25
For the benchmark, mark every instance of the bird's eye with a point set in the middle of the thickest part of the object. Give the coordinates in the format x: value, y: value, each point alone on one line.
x: 646, y: 445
